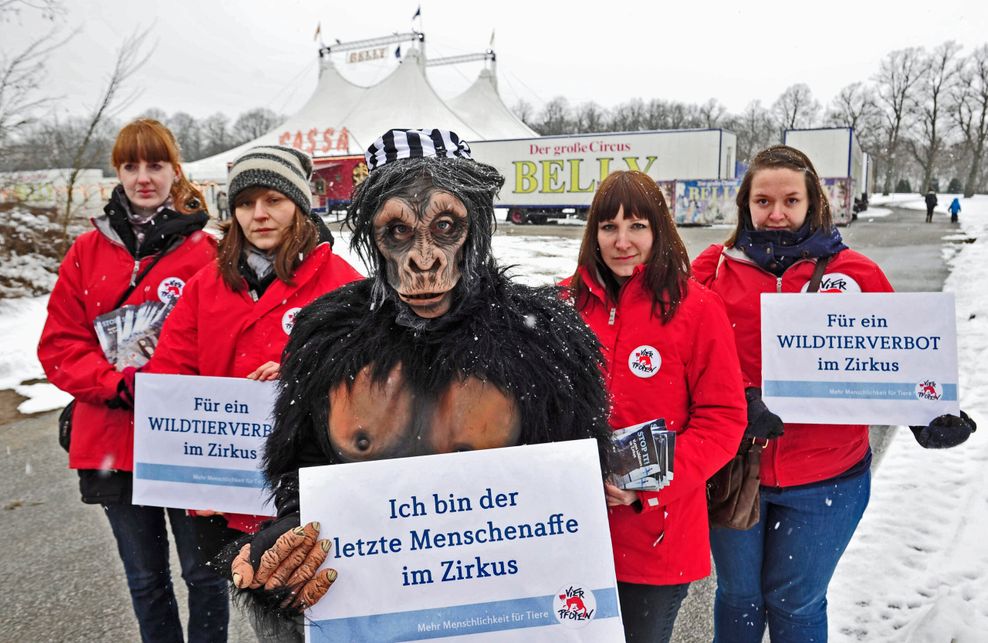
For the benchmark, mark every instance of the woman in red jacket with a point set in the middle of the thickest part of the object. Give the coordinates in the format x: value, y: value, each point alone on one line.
x: 668, y: 353
x: 815, y: 478
x: 147, y: 245
x: 275, y: 257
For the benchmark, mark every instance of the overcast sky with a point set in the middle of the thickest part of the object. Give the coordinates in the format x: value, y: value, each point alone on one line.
x: 229, y: 56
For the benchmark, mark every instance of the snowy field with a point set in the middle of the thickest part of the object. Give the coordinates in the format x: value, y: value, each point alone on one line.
x: 916, y: 569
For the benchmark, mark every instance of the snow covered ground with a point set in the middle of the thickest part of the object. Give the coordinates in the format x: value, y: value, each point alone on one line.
x: 917, y: 569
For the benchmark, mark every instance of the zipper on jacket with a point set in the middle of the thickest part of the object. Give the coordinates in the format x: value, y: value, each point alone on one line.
x: 133, y: 275
x: 610, y: 320
x: 778, y: 284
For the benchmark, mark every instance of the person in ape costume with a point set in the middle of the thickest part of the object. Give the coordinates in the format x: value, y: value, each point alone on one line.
x: 437, y: 351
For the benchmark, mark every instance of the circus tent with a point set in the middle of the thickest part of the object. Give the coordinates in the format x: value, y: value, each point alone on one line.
x: 342, y: 118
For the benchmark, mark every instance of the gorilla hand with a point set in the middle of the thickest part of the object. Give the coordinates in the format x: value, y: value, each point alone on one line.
x: 284, y: 558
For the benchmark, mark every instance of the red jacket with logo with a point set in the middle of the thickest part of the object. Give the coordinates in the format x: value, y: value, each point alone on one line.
x: 215, y: 331
x: 693, y: 381
x: 96, y: 271
x: 806, y: 452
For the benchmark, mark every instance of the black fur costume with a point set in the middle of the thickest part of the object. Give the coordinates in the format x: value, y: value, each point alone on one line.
x: 525, y: 341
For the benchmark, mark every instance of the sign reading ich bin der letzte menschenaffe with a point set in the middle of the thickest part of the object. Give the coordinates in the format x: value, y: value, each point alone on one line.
x: 501, y: 544
x: 198, y: 442
x: 865, y: 358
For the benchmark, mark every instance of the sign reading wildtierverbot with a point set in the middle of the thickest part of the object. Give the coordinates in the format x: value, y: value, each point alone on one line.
x: 866, y: 358
x: 198, y: 442
x: 510, y: 543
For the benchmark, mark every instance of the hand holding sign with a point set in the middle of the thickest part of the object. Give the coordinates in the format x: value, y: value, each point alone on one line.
x: 288, y: 566
x: 945, y: 431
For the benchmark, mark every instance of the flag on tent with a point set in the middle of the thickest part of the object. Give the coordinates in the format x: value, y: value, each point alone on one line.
x: 398, y: 51
x: 418, y: 12
x: 492, y: 40
x: 316, y: 35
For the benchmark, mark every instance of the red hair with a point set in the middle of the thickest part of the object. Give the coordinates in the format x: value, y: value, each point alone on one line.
x: 148, y: 140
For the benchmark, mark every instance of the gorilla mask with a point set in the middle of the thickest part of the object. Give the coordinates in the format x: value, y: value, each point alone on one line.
x: 422, y: 221
x: 421, y: 238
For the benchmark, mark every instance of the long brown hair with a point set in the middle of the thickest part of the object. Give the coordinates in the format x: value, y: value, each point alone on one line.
x: 148, y: 140
x: 299, y: 240
x: 667, y: 267
x: 785, y: 158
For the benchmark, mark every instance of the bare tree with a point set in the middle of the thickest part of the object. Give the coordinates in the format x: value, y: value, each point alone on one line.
x: 896, y: 82
x: 970, y: 113
x: 155, y: 114
x: 188, y: 134
x: 50, y: 9
x: 711, y: 113
x: 254, y: 124
x: 22, y: 74
x: 854, y: 106
x: 216, y: 134
x: 524, y: 111
x: 130, y: 58
x: 588, y: 118
x: 755, y: 129
x: 629, y: 116
x: 796, y: 107
x: 555, y: 117
x: 940, y: 70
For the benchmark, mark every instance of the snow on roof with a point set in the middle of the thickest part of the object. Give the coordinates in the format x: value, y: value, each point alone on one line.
x: 482, y: 107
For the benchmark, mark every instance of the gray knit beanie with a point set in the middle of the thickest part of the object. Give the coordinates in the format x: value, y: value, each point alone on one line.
x: 276, y: 167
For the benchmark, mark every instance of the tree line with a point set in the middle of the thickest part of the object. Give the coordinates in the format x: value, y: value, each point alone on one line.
x: 922, y: 117
x: 53, y: 142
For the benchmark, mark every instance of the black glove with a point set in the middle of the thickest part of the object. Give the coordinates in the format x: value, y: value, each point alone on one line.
x: 762, y: 423
x: 125, y: 390
x: 945, y: 431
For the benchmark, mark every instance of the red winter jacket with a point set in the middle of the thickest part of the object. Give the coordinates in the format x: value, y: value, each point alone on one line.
x: 696, y: 387
x: 806, y: 452
x: 96, y: 271
x: 218, y: 332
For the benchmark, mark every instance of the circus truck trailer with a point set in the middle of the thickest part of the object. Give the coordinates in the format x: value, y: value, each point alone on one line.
x: 550, y: 177
x: 841, y: 165
x: 333, y: 180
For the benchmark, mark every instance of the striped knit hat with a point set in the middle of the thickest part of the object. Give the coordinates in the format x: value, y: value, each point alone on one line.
x: 415, y: 143
x: 280, y: 168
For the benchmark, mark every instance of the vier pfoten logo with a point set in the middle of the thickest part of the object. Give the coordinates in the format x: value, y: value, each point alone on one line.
x: 574, y: 606
x: 835, y: 282
x: 170, y: 289
x: 644, y: 361
x: 929, y: 390
x: 288, y: 320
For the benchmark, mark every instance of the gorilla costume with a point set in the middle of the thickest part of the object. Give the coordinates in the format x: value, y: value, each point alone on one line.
x: 437, y: 351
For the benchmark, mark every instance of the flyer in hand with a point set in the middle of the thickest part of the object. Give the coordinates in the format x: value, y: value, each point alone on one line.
x: 129, y: 334
x: 642, y: 456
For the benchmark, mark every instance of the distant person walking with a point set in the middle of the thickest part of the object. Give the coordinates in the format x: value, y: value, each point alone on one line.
x: 954, y: 208
x: 931, y: 202
x: 222, y: 206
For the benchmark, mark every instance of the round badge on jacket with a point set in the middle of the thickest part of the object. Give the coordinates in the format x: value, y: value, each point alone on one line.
x: 170, y: 289
x: 835, y: 282
x: 288, y: 320
x: 644, y: 361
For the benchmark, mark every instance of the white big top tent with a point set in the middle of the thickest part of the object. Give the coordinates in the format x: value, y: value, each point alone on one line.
x: 343, y: 118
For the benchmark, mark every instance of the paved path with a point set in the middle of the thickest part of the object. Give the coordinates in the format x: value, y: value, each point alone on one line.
x: 63, y: 580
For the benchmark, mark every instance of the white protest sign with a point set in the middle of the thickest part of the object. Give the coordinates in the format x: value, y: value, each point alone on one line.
x: 511, y: 544
x: 198, y: 442
x: 867, y: 358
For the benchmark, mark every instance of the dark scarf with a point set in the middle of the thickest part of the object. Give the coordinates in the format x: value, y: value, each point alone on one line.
x: 776, y: 250
x: 166, y: 228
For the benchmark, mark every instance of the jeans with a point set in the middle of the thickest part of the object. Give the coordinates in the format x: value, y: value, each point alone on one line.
x: 648, y: 612
x: 778, y: 571
x: 142, y: 540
